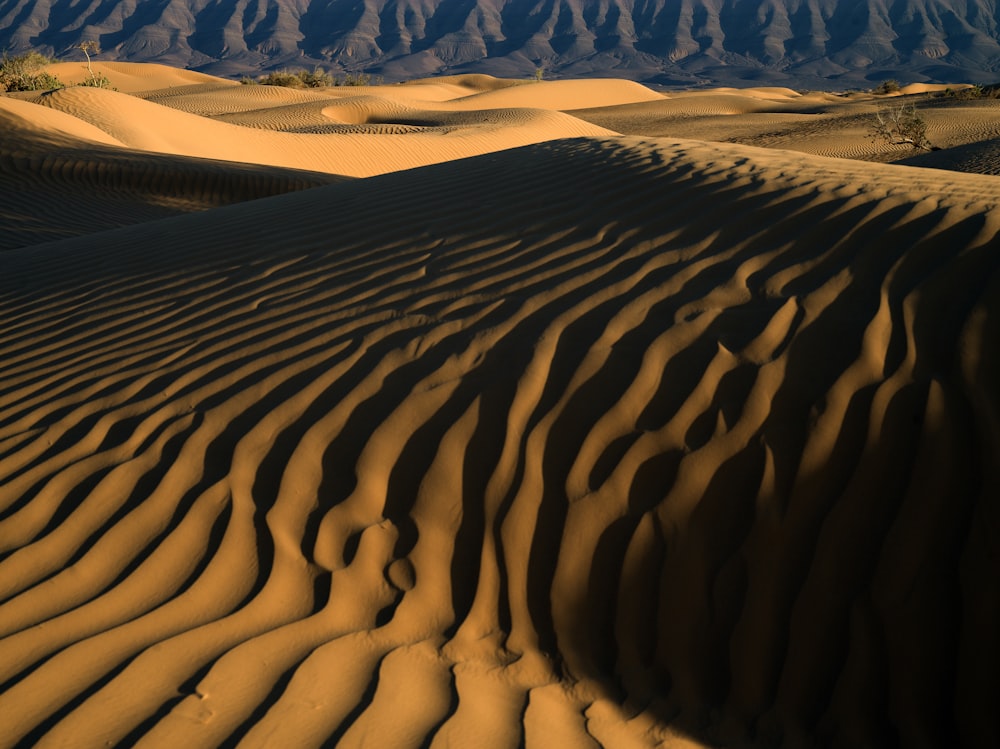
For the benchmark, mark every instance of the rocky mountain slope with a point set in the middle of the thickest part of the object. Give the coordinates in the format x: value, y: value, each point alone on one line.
x: 810, y: 42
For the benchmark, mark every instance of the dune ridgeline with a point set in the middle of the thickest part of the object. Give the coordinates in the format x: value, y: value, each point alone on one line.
x: 444, y: 414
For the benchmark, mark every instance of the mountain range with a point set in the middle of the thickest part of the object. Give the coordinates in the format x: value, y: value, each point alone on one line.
x: 820, y: 43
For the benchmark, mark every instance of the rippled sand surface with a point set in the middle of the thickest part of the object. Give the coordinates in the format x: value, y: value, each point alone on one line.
x: 443, y: 414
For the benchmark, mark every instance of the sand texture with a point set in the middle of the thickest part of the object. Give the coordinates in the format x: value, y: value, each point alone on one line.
x: 594, y: 440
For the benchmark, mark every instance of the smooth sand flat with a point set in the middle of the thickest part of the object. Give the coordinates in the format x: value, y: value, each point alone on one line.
x: 599, y: 440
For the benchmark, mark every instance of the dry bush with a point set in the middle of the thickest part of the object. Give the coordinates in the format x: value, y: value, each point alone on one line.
x: 358, y: 79
x: 93, y: 81
x: 318, y: 78
x: 974, y: 92
x: 284, y: 78
x: 899, y: 126
x: 890, y: 86
x: 24, y: 73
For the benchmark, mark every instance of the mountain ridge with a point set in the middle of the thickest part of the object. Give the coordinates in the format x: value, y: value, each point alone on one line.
x: 679, y: 42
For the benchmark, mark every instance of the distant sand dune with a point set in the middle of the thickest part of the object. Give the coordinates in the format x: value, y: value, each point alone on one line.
x: 61, y: 177
x: 595, y: 441
x: 386, y: 128
x: 153, y: 127
x: 562, y: 95
x: 133, y: 77
x: 817, y: 124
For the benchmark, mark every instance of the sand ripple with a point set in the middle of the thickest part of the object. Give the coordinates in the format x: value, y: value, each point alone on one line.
x: 592, y: 441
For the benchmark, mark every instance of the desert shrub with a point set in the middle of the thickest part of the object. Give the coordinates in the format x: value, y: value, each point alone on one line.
x: 24, y: 73
x: 94, y: 80
x: 974, y: 92
x: 98, y: 81
x: 317, y: 78
x: 900, y: 125
x: 358, y: 79
x: 41, y: 82
x: 890, y: 86
x: 284, y: 78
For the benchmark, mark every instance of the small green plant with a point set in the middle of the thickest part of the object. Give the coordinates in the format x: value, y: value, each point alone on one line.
x: 539, y: 73
x: 25, y: 73
x: 98, y: 81
x: 900, y: 126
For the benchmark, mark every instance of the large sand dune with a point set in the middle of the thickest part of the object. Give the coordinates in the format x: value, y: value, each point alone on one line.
x: 619, y: 441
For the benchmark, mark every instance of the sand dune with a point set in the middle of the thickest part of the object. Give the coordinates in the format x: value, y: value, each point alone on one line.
x: 563, y: 95
x: 818, y: 124
x: 980, y: 157
x: 63, y: 177
x: 415, y: 136
x: 410, y: 118
x: 596, y: 441
x: 132, y: 77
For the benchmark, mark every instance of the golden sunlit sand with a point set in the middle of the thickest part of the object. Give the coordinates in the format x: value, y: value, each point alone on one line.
x: 480, y: 413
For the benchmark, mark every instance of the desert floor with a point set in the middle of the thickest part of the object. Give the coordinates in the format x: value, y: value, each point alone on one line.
x: 480, y: 413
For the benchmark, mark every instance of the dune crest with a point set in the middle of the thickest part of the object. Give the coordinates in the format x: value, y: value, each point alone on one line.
x: 153, y: 127
x: 134, y: 77
x: 162, y: 110
x: 598, y: 441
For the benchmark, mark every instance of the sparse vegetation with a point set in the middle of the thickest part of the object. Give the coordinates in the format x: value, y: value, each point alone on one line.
x: 94, y: 81
x: 972, y: 93
x: 87, y: 47
x: 899, y: 126
x: 358, y: 79
x: 539, y: 73
x: 25, y: 73
x: 99, y: 81
x: 890, y: 86
x: 281, y: 78
x: 317, y: 78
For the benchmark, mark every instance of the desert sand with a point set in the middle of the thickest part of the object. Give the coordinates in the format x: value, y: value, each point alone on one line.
x: 481, y: 413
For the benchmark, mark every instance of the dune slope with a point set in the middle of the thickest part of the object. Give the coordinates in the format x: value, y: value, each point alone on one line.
x: 62, y: 178
x: 596, y: 441
x: 440, y: 135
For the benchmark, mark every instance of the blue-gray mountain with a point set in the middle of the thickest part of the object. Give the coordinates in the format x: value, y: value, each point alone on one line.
x: 811, y: 42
